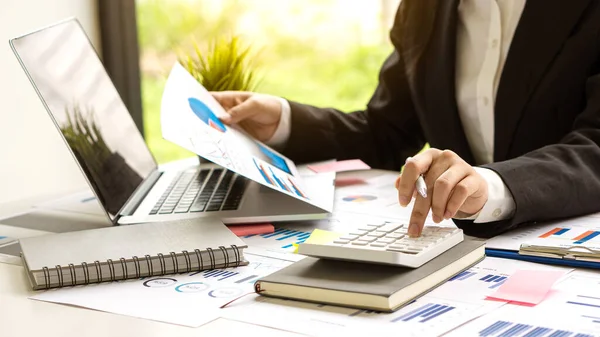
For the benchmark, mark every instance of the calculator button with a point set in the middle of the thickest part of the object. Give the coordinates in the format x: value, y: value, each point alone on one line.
x: 367, y: 239
x: 359, y: 243
x: 375, y: 234
x: 394, y: 236
x: 343, y: 242
x: 349, y: 237
x: 378, y: 244
x: 388, y: 228
x: 401, y: 250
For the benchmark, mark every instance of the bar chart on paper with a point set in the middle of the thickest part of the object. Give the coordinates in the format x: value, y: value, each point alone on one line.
x: 583, y: 231
x: 563, y: 236
x: 219, y: 283
x: 427, y: 316
x: 513, y: 320
x: 509, y: 329
x: 281, y: 240
x: 492, y: 281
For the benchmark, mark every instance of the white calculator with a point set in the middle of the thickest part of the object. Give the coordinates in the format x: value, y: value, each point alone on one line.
x: 387, y: 243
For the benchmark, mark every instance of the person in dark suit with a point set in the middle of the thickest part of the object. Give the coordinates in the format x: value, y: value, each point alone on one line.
x: 506, y: 92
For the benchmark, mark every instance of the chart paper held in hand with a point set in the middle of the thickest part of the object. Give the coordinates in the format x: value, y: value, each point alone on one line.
x: 190, y: 119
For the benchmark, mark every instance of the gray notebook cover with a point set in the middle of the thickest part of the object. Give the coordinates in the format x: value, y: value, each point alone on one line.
x: 126, y: 241
x: 374, y: 279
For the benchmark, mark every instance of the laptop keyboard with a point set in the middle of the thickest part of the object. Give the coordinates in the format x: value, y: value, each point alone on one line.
x: 207, y: 190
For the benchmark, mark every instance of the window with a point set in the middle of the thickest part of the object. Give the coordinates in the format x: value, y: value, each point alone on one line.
x: 320, y: 52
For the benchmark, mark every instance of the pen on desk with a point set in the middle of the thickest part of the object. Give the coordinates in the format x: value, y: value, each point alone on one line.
x: 421, y: 187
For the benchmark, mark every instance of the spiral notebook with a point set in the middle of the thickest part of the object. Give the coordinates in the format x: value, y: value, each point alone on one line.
x: 132, y: 251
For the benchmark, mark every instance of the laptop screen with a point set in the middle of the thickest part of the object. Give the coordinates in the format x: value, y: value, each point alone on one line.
x: 80, y: 97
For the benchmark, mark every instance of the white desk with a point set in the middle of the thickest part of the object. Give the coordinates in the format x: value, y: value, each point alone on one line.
x: 20, y: 316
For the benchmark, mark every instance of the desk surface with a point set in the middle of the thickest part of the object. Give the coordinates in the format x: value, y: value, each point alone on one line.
x: 20, y: 316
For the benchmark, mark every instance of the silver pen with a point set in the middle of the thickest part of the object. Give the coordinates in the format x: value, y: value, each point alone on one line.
x: 421, y: 187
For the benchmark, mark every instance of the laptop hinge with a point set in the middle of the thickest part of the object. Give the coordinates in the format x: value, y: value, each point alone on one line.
x: 140, y: 193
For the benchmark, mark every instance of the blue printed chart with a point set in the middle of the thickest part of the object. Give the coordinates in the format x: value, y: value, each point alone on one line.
x: 513, y: 320
x: 493, y: 281
x: 427, y: 316
x: 484, y: 279
x: 279, y: 180
x: 186, y: 299
x: 275, y: 159
x: 279, y: 244
x: 219, y: 283
x: 206, y: 115
x: 586, y: 306
x: 512, y: 329
x: 569, y: 236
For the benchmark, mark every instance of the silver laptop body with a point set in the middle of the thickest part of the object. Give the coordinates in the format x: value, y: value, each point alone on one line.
x: 83, y: 103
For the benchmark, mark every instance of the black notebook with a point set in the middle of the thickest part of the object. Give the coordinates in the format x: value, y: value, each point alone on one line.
x: 368, y: 286
x: 132, y: 251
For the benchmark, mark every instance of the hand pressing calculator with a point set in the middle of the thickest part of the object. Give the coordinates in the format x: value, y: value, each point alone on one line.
x: 387, y: 243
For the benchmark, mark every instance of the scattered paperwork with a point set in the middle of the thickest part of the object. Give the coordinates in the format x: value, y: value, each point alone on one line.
x: 190, y: 299
x: 458, y: 301
x: 527, y: 286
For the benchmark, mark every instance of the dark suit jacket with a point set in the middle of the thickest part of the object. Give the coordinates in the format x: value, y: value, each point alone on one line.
x: 547, y: 113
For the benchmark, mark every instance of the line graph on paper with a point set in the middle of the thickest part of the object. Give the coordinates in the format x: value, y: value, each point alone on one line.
x: 211, y: 147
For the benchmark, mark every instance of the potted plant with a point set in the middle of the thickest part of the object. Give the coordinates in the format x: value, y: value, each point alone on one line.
x: 226, y: 65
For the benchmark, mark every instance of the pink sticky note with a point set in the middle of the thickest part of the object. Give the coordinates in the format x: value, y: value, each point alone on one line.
x: 340, y: 166
x: 341, y: 182
x: 527, y: 286
x: 243, y: 230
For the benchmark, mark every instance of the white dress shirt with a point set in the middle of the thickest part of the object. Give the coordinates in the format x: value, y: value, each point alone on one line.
x: 484, y: 33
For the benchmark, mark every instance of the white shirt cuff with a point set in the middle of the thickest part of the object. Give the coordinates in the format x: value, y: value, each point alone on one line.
x: 500, y: 204
x: 282, y: 133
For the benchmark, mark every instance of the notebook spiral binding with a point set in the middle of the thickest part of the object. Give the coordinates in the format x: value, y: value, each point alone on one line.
x: 137, y: 263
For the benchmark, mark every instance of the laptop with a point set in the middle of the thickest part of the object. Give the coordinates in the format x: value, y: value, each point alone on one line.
x: 97, y: 128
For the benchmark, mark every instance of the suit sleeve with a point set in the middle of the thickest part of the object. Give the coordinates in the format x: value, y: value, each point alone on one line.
x: 382, y: 135
x: 557, y: 181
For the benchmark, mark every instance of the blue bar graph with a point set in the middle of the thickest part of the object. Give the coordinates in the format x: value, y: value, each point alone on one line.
x: 510, y: 329
x: 492, y: 329
x: 462, y: 276
x: 426, y: 312
x: 515, y: 330
x: 496, y: 279
x: 586, y: 237
x: 281, y: 234
x: 584, y: 304
x: 586, y: 301
x: 221, y: 274
x: 538, y: 332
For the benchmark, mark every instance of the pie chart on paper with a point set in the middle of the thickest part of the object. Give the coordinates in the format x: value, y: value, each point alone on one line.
x: 205, y: 114
x: 359, y: 198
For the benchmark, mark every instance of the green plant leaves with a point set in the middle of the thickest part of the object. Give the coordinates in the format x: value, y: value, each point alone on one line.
x: 227, y: 65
